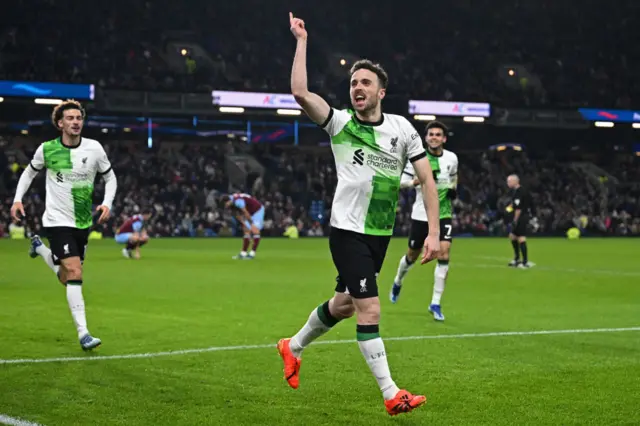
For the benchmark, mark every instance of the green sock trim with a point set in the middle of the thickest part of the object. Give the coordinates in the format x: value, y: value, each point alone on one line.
x: 325, y: 316
x: 366, y: 336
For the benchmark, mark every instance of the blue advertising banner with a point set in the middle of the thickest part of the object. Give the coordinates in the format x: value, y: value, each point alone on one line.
x: 33, y: 89
x: 613, y: 115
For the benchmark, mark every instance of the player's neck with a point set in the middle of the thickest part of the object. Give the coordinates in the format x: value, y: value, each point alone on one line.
x: 70, y: 141
x: 373, y: 117
x: 437, y: 152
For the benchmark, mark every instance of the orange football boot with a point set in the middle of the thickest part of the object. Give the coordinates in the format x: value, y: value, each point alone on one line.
x: 291, y: 363
x: 404, y: 402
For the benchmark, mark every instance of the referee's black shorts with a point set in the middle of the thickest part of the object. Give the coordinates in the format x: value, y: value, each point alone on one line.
x: 358, y: 259
x: 520, y: 229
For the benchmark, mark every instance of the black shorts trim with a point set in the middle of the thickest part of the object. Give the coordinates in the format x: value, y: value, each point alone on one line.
x: 358, y: 259
x: 420, y: 230
x: 66, y: 242
x: 418, y: 157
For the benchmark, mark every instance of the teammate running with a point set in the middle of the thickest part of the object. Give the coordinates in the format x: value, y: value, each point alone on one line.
x: 370, y: 150
x: 250, y: 214
x: 445, y: 169
x: 72, y: 163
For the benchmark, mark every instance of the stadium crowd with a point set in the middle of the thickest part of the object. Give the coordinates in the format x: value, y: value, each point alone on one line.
x: 438, y: 51
x: 181, y: 183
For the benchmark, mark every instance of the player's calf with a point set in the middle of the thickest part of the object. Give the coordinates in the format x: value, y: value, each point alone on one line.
x: 440, y: 274
x: 72, y: 268
x: 406, y: 263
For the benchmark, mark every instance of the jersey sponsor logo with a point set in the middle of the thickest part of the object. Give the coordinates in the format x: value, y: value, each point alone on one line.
x: 394, y: 145
x: 77, y: 177
x: 358, y: 157
x: 381, y: 162
x: 59, y: 177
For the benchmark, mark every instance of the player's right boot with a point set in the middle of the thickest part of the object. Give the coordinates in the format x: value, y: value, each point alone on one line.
x: 514, y: 263
x: 291, y: 363
x: 35, y: 243
x: 88, y: 342
x: 436, y: 310
x: 404, y: 402
x: 395, y: 292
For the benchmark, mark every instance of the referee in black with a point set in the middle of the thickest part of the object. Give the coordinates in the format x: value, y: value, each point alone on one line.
x: 521, y: 205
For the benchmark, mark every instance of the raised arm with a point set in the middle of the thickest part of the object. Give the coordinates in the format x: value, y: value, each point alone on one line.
x: 316, y: 108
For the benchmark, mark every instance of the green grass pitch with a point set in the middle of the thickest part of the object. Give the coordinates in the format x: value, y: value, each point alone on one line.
x: 190, y: 294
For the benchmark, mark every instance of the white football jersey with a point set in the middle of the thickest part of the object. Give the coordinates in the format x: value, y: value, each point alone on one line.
x: 71, y: 173
x: 445, y: 171
x: 369, y: 161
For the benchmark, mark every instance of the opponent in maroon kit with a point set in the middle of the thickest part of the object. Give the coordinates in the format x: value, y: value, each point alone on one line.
x: 250, y: 213
x: 133, y: 234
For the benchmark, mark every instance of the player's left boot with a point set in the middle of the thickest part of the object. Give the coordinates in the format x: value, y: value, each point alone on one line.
x: 524, y: 265
x: 404, y: 402
x: 35, y: 243
x: 126, y: 253
x: 436, y: 310
x: 88, y: 342
x: 395, y: 292
x: 291, y: 363
x: 251, y: 255
x: 241, y: 256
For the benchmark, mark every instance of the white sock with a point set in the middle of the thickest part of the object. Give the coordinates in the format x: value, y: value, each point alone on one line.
x: 439, y: 279
x: 45, y: 253
x: 76, y: 305
x: 313, y: 328
x: 376, y: 357
x: 403, y: 268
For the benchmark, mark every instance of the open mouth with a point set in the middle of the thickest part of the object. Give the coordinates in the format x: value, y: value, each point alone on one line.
x: 360, y: 100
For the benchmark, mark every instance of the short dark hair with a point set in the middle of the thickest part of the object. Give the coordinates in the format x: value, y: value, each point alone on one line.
x: 58, y: 111
x: 437, y: 125
x: 365, y: 64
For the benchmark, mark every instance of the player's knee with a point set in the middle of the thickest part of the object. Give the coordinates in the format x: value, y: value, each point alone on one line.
x: 73, y: 272
x: 344, y: 312
x: 341, y: 307
x: 368, y: 311
x: 412, y: 255
x: 134, y: 239
x: 522, y: 239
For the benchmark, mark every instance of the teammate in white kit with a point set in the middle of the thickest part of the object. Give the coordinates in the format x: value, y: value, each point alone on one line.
x: 445, y: 171
x: 72, y: 163
x: 370, y: 151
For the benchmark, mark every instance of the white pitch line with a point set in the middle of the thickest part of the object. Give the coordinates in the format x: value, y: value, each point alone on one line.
x: 552, y: 268
x: 323, y: 342
x: 14, y: 421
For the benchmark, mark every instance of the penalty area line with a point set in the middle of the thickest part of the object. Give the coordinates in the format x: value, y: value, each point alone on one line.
x: 323, y: 342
